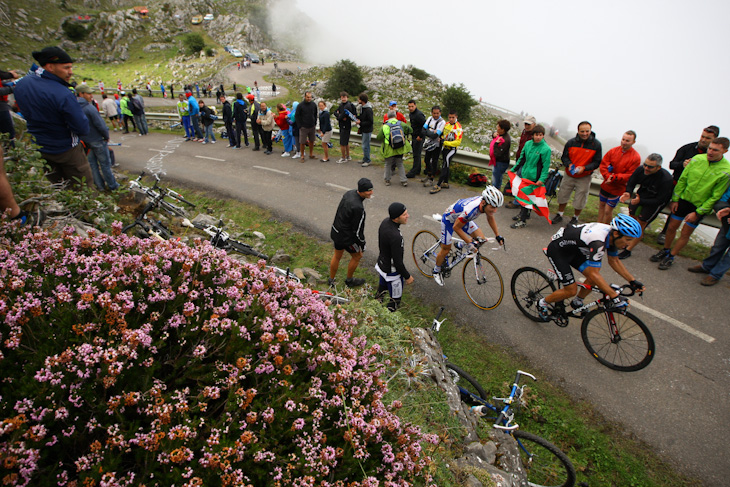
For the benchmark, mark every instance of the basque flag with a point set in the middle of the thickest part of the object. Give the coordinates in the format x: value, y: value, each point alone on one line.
x: 529, y: 195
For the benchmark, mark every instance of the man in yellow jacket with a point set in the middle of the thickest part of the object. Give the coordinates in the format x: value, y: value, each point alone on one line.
x: 452, y: 139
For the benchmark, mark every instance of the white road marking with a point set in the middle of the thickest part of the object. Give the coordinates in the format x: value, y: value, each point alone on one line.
x: 211, y: 158
x: 338, y: 186
x: 272, y: 170
x: 161, y: 150
x: 673, y: 322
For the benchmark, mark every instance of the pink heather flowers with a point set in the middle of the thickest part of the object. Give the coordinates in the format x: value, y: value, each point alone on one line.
x: 129, y: 362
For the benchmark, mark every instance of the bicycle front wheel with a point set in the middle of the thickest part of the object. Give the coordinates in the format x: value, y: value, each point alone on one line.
x: 483, y: 282
x: 469, y: 388
x: 245, y: 249
x: 425, y: 248
x: 529, y: 285
x: 546, y: 465
x: 620, y: 341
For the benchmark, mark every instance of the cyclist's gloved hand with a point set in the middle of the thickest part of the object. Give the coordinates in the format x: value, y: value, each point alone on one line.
x: 500, y: 239
x: 636, y: 285
x: 620, y: 302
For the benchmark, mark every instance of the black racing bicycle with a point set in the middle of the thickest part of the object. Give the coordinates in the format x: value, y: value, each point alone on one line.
x: 219, y: 238
x: 615, y: 337
x: 544, y: 463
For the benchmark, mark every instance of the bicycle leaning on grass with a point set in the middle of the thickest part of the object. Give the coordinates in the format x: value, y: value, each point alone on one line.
x: 615, y: 337
x: 148, y: 227
x: 544, y: 463
x: 222, y: 240
x: 480, y: 276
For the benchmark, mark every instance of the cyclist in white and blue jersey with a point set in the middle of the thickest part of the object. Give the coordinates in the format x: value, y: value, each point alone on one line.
x: 460, y: 217
x: 582, y: 247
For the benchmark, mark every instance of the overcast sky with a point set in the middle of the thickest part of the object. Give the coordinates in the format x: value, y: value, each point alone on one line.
x: 658, y: 67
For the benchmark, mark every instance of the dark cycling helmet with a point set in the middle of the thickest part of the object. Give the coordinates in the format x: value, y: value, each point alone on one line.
x: 626, y: 225
x: 493, y: 196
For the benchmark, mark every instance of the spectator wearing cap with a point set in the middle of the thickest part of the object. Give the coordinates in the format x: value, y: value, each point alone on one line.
x: 348, y: 231
x: 344, y: 115
x: 54, y: 117
x: 96, y: 142
x: 526, y: 136
x: 390, y: 266
x: 393, y: 105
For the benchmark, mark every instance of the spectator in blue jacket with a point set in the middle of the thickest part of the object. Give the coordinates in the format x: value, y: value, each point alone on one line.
x: 54, y: 117
x: 194, y: 109
x: 96, y: 142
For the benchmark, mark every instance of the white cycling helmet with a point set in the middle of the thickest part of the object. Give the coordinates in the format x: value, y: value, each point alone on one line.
x: 493, y: 196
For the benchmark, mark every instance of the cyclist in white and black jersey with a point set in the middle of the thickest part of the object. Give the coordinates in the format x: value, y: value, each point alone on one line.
x: 582, y: 247
x: 460, y: 217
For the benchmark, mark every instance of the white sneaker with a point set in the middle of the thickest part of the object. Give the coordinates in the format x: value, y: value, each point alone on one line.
x: 349, y: 158
x: 285, y: 154
x: 438, y: 278
x: 341, y: 160
x: 296, y: 156
x: 212, y: 141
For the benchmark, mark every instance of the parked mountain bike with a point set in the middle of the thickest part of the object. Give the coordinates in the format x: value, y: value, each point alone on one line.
x: 155, y: 192
x: 615, y: 337
x: 480, y: 276
x: 222, y: 240
x: 146, y: 225
x: 544, y: 463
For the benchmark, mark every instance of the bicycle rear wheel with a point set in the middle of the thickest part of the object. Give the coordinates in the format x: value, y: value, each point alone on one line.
x: 620, y: 341
x: 529, y: 285
x: 482, y: 282
x: 546, y: 465
x: 243, y: 248
x: 425, y: 248
x: 469, y: 388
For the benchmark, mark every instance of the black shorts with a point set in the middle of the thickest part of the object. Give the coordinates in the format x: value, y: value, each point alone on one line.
x: 646, y: 214
x: 351, y: 248
x: 564, y: 262
x: 684, y: 208
x: 345, y: 134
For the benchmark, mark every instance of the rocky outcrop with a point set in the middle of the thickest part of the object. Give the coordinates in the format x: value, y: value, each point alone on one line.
x: 479, y: 461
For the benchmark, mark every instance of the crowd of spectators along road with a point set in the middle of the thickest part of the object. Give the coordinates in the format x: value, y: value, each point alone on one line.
x: 73, y: 137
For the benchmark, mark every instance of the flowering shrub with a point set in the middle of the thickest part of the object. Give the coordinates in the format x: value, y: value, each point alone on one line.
x: 138, y: 362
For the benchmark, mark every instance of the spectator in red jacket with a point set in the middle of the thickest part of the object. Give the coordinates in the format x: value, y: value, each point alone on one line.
x: 393, y: 105
x: 581, y: 156
x: 616, y: 168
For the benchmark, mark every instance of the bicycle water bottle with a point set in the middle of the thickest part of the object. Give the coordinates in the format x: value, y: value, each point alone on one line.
x: 459, y: 244
x: 480, y: 410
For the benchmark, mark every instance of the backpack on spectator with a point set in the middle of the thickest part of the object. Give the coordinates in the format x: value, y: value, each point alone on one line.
x: 552, y: 183
x: 135, y: 107
x: 477, y: 179
x: 397, y: 137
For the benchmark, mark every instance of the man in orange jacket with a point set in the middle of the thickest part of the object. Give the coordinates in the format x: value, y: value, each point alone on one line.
x: 616, y: 168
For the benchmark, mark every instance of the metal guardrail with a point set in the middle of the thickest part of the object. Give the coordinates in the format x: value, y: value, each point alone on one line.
x: 473, y: 159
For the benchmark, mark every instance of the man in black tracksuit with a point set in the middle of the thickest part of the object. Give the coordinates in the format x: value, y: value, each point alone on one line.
x: 348, y: 231
x: 240, y: 114
x: 418, y: 120
x: 228, y: 121
x: 393, y: 273
x: 345, y: 124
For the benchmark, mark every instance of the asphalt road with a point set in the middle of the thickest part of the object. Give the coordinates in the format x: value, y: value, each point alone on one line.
x: 678, y: 404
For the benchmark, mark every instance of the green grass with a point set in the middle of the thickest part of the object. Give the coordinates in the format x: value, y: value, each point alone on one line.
x: 601, y: 452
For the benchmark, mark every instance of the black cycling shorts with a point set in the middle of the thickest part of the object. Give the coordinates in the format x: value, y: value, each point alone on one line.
x: 684, y: 208
x: 646, y: 214
x: 352, y: 248
x: 564, y: 262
